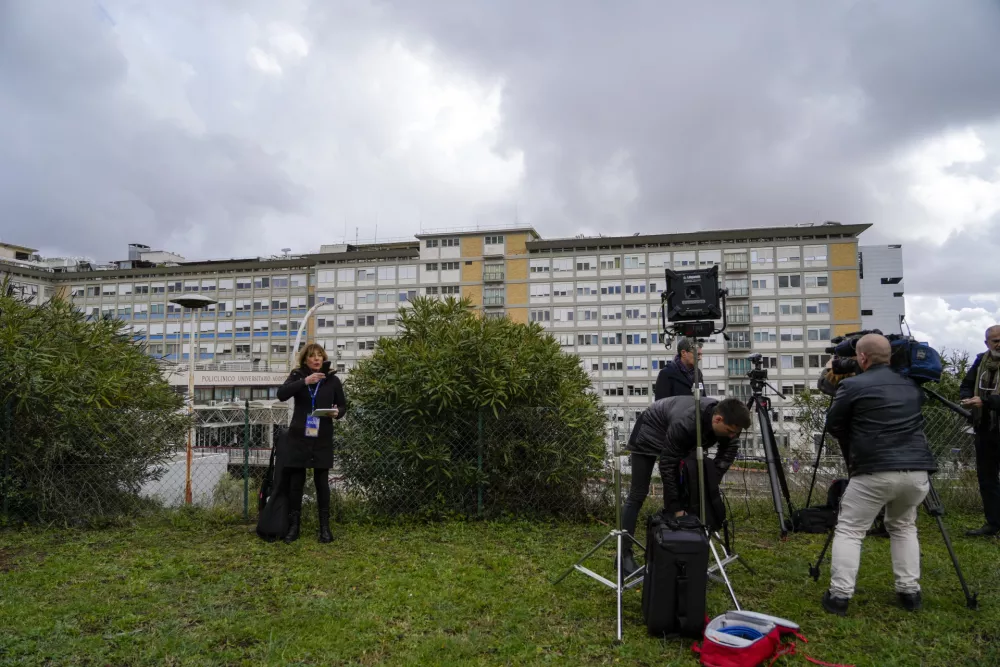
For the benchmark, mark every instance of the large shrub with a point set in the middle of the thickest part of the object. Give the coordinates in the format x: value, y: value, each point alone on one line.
x: 85, y: 415
x: 473, y: 416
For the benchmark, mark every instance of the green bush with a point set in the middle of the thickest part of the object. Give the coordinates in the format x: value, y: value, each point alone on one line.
x: 463, y: 415
x: 85, y: 416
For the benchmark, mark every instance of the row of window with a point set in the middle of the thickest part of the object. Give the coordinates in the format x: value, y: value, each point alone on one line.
x: 714, y: 389
x: 812, y: 255
x: 200, y: 285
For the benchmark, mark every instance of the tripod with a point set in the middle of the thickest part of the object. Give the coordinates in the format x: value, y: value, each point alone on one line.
x: 935, y: 508
x: 619, y: 536
x: 762, y: 406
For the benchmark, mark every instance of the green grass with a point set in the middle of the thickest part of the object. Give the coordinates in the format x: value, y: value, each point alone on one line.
x: 190, y: 591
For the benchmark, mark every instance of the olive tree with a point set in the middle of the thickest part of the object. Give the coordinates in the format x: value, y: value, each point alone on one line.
x: 467, y: 415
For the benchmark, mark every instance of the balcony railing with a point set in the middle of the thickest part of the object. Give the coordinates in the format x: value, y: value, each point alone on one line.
x: 737, y: 345
x: 740, y: 264
x: 493, y: 301
x: 493, y: 276
x: 738, y: 318
x: 737, y: 371
x: 738, y: 291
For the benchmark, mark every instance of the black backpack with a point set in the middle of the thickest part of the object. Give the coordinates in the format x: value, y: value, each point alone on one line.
x: 820, y: 518
x: 272, y: 500
x: 715, y: 510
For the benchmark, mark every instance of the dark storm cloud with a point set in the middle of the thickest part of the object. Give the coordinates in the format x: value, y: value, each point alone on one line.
x: 86, y: 167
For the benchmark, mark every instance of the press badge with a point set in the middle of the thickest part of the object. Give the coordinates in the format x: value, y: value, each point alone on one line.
x: 312, y: 427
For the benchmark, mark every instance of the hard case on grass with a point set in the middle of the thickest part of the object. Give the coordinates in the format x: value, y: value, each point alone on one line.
x: 676, y: 577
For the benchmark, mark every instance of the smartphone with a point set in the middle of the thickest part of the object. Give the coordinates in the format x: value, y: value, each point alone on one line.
x: 326, y: 366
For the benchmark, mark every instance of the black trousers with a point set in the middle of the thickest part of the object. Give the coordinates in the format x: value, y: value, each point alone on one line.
x: 642, y: 473
x: 988, y: 471
x: 297, y: 484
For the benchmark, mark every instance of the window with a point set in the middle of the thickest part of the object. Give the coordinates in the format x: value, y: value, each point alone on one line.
x: 685, y: 259
x: 174, y: 286
x: 763, y: 308
x: 709, y: 257
x: 156, y: 309
x: 897, y: 294
x: 609, y: 262
x: 387, y: 273
x: 659, y: 260
x: 493, y: 240
x: 345, y: 320
x: 261, y: 304
x: 590, y: 364
x: 818, y: 333
x: 431, y: 243
x: 588, y: 338
x: 430, y: 290
x: 431, y: 266
x: 612, y: 389
x: 790, y: 280
x: 242, y: 326
x: 279, y: 281
x: 790, y: 335
x: 539, y: 316
x: 408, y: 295
x: 449, y: 266
x: 762, y: 282
x: 562, y: 289
x: 586, y: 315
x: 713, y: 361
x: 345, y: 275
x: 261, y: 282
x: 345, y: 298
x: 279, y: 304
x: 737, y: 287
x: 325, y: 277
x: 892, y: 281
x: 387, y: 319
x: 563, y: 315
x: 367, y: 297
x: 611, y: 338
x: 818, y: 360
x: 562, y: 264
x: 300, y: 301
x: 261, y: 326
x: 814, y: 253
x: 792, y: 361
x: 111, y: 290
x: 610, y: 288
x: 635, y: 261
x: 793, y: 389
x: 365, y: 274
x: 637, y: 363
x: 586, y: 289
x: 300, y: 280
x: 635, y: 313
x: 586, y: 263
x: 635, y: 288
x: 789, y: 254
x: 638, y: 338
x: 867, y: 313
x: 817, y: 280
x: 817, y: 307
x: 539, y: 266
x: 766, y: 335
x: 762, y: 256
x: 612, y: 364
x: 564, y: 340
x: 450, y: 243
x: 540, y: 289
x: 386, y: 296
x: 408, y: 272
x: 790, y: 307
x: 244, y: 283
x: 323, y: 297
x: 449, y: 289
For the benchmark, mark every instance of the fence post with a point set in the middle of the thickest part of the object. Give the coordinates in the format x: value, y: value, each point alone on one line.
x: 246, y: 460
x: 6, y: 439
x: 479, y: 465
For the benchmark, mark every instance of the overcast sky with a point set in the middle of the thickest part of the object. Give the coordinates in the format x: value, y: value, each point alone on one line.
x: 241, y: 127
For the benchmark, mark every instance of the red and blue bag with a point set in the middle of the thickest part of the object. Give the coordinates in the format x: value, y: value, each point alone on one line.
x: 749, y: 639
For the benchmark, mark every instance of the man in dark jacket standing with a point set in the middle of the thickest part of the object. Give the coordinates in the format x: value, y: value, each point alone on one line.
x: 677, y: 377
x: 876, y: 417
x: 980, y: 392
x: 665, y: 431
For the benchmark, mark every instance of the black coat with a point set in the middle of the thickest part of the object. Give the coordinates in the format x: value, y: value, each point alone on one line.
x: 991, y: 403
x: 876, y: 416
x: 667, y: 429
x: 300, y: 451
x: 673, y: 381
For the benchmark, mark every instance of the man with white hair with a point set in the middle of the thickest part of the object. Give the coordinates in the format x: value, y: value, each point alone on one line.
x: 980, y: 392
x: 876, y: 416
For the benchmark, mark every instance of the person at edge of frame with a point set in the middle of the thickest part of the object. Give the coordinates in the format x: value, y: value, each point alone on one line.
x: 676, y: 378
x: 666, y: 431
x: 980, y: 393
x: 309, y: 443
x: 877, y: 419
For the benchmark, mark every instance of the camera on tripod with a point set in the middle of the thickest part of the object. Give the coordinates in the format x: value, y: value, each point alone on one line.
x: 758, y: 373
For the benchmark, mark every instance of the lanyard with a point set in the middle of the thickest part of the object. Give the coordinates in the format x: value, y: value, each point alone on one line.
x: 312, y: 394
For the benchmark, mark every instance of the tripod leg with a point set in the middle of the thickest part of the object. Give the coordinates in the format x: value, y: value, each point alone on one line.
x: 814, y: 569
x: 722, y: 571
x: 934, y: 507
x: 580, y: 562
x: 618, y: 588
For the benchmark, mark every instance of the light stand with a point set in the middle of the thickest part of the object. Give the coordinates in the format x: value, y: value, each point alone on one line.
x: 619, y: 535
x: 194, y: 302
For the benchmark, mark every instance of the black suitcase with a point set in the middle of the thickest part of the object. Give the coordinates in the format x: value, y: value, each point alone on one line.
x: 676, y: 578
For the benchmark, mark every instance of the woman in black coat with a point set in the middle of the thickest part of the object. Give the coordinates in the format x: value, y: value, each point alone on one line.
x: 309, y: 443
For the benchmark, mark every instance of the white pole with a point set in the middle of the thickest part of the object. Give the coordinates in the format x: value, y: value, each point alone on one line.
x: 298, y: 338
x: 191, y: 431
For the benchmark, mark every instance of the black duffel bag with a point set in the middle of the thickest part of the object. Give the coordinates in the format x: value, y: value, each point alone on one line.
x: 272, y: 500
x: 820, y: 518
x: 675, y: 582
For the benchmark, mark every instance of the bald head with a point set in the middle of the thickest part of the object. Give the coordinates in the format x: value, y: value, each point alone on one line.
x: 873, y: 349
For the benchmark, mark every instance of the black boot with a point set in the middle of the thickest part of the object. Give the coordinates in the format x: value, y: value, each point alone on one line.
x: 628, y: 562
x: 293, y: 527
x: 324, y: 527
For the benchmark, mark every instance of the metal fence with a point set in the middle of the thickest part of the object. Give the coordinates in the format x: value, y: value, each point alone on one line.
x: 525, y: 462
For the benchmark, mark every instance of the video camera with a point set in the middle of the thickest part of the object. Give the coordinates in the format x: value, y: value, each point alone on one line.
x: 758, y: 372
x: 908, y: 357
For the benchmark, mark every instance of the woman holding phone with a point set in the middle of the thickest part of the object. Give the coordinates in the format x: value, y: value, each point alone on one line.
x: 309, y: 443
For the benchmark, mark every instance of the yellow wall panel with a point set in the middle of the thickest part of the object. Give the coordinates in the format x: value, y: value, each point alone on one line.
x: 844, y: 254
x: 517, y: 269
x: 516, y: 244
x: 474, y: 293
x: 844, y: 282
x: 517, y: 294
x: 472, y: 273
x: 472, y: 246
x: 519, y: 315
x: 846, y: 308
x: 844, y: 329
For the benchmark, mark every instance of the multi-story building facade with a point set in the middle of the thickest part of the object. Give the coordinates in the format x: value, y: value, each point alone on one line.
x: 881, y: 272
x: 790, y: 290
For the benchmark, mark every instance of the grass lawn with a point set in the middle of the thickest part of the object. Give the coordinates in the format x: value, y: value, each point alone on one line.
x: 186, y: 590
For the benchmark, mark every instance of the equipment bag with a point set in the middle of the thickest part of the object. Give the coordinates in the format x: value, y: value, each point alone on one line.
x: 915, y: 360
x: 820, y: 518
x: 272, y: 500
x: 749, y: 639
x: 676, y: 576
x: 715, y: 510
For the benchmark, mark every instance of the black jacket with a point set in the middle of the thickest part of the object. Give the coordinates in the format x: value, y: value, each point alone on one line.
x: 876, y: 417
x: 991, y: 404
x: 667, y: 429
x: 300, y: 451
x: 672, y: 381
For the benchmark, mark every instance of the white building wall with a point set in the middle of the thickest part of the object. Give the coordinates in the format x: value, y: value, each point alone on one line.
x: 882, y: 302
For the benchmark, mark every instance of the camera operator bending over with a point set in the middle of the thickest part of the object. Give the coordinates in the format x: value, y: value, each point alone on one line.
x: 677, y: 377
x: 980, y: 392
x: 876, y: 418
x: 666, y: 431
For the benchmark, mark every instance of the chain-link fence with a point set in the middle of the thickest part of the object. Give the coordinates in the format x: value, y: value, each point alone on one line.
x: 525, y: 462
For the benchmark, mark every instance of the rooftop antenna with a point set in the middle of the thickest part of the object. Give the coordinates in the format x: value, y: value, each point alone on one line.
x: 286, y: 251
x: 355, y: 235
